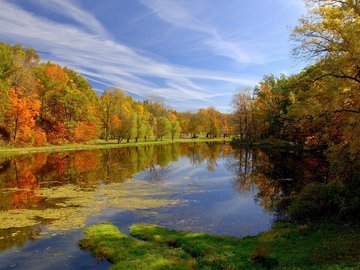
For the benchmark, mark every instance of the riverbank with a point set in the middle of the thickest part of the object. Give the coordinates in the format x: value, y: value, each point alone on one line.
x: 99, y: 144
x: 285, y: 246
x: 264, y: 144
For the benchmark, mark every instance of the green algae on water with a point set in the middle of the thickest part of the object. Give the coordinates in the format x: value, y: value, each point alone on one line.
x: 74, y: 205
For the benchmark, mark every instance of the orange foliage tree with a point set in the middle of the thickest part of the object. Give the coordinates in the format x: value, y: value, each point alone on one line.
x: 84, y: 131
x: 21, y: 115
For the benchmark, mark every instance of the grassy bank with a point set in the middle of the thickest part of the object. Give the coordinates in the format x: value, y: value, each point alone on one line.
x: 285, y: 246
x: 264, y: 144
x: 99, y: 144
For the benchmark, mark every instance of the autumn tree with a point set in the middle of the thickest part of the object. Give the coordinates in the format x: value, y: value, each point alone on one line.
x: 210, y: 121
x: 163, y: 127
x: 141, y: 121
x: 184, y: 122
x: 194, y: 126
x: 226, y: 128
x: 19, y: 104
x: 67, y: 102
x: 174, y: 128
x: 21, y: 114
x: 109, y: 106
x: 329, y: 34
x: 156, y: 106
x: 128, y: 129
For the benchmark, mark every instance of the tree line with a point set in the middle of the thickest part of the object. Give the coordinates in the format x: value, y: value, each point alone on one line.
x: 319, y: 107
x: 45, y: 103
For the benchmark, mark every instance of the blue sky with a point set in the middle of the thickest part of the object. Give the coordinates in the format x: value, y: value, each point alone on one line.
x: 194, y: 53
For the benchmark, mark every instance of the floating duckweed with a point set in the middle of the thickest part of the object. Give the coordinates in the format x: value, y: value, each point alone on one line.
x: 75, y: 205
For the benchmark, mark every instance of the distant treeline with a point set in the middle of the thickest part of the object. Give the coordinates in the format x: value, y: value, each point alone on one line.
x: 45, y: 103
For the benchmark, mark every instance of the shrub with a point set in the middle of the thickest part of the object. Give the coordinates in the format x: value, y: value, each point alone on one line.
x: 39, y: 137
x: 261, y: 256
x: 58, y: 133
x: 318, y: 201
x: 84, y: 131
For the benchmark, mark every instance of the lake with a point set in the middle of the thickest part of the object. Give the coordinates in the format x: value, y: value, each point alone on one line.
x: 46, y: 199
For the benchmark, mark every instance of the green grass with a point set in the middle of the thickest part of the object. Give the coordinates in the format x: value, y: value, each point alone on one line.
x: 98, y: 144
x: 106, y: 241
x: 285, y: 246
x: 264, y: 144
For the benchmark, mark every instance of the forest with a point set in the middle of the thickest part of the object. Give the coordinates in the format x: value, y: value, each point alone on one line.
x: 45, y: 103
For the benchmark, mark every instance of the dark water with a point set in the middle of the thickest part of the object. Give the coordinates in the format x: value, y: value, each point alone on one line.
x: 47, y: 199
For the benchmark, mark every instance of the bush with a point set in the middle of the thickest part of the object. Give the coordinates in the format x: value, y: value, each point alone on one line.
x: 58, y: 133
x: 261, y: 256
x: 84, y: 132
x: 318, y: 201
x: 39, y: 137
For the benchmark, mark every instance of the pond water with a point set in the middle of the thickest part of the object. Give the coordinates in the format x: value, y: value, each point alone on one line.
x: 46, y: 199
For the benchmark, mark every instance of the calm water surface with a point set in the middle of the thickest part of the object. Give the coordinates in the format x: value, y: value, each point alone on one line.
x: 47, y: 199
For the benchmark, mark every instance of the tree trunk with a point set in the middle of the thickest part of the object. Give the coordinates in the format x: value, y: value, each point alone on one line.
x: 241, y: 129
x: 107, y: 133
x: 15, y: 129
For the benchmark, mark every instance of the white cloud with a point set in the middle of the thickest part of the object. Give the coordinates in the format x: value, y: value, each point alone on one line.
x: 73, y: 11
x: 174, y: 13
x: 105, y: 60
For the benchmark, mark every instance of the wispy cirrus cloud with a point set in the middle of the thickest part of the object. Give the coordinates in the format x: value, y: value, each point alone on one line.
x: 178, y: 15
x: 76, y: 13
x: 87, y: 48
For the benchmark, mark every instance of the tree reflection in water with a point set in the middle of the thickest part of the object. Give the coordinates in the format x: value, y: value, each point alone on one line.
x: 274, y: 174
x: 25, y: 180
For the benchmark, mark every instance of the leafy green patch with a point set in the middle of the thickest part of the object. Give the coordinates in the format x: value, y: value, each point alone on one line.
x: 283, y: 247
x: 106, y: 241
x: 323, y: 201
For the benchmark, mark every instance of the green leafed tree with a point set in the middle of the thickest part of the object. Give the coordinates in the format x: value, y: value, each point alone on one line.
x: 163, y: 127
x: 109, y: 106
x: 174, y: 129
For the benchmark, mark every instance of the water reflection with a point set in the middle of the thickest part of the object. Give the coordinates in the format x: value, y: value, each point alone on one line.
x: 44, y: 188
x: 275, y: 174
x: 199, y: 186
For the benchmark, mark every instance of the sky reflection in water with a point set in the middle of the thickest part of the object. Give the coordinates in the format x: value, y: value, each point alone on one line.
x: 199, y: 187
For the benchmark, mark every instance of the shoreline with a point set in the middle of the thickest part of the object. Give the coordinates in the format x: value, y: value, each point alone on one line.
x: 284, y: 246
x: 12, y: 151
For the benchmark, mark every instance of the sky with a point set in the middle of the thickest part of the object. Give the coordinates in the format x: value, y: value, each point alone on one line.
x: 193, y: 53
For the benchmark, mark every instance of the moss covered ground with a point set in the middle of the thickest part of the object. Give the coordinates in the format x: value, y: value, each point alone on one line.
x: 285, y: 246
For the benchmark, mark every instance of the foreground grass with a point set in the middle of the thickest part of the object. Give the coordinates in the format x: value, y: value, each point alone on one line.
x: 283, y: 247
x: 99, y: 144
